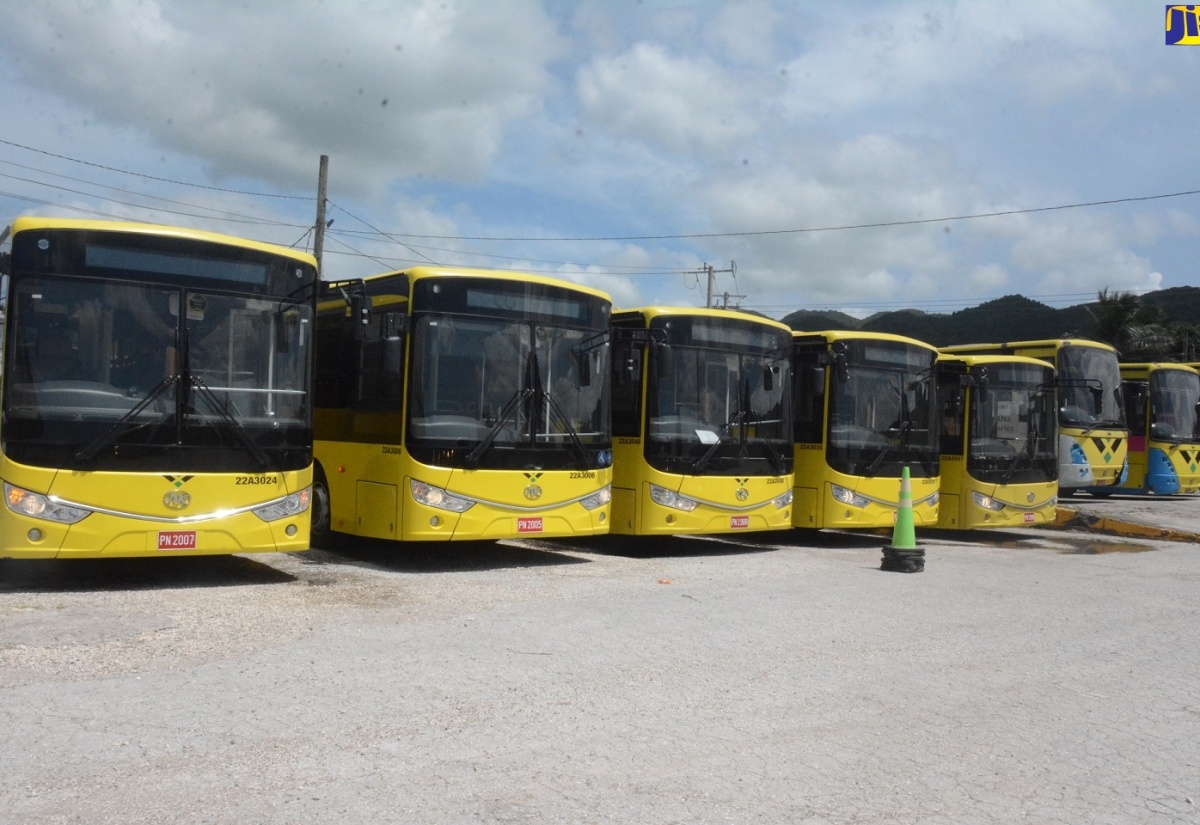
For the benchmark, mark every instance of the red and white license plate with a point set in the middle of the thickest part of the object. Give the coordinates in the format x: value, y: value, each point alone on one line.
x: 529, y: 525
x: 738, y: 522
x: 1029, y: 517
x: 177, y: 540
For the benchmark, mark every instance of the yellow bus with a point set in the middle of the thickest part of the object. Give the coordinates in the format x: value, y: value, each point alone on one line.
x: 1093, y: 439
x: 462, y: 404
x: 998, y: 441
x: 1164, y: 429
x: 702, y: 422
x: 864, y: 410
x: 156, y: 392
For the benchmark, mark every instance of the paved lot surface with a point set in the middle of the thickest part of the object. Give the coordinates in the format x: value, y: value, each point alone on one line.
x: 1025, y: 676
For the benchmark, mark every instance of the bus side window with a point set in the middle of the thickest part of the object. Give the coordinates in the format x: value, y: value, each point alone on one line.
x: 627, y: 390
x: 808, y: 390
x: 1135, y: 407
x: 950, y: 405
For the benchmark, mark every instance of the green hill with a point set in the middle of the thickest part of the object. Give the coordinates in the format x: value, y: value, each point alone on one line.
x: 1011, y: 318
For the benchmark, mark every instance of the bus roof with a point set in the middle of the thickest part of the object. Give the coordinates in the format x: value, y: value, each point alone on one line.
x: 832, y: 335
x: 1139, y: 369
x: 1047, y: 344
x: 27, y: 223
x: 418, y: 272
x: 704, y: 312
x: 974, y: 360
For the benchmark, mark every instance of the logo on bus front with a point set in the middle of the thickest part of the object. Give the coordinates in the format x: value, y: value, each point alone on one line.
x: 532, y: 524
x: 742, y: 493
x: 533, y: 492
x: 177, y: 499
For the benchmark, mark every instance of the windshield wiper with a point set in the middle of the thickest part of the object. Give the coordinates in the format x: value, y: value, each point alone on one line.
x: 109, y: 436
x: 567, y: 426
x: 702, y: 461
x: 777, y: 462
x: 235, y: 426
x: 506, y: 414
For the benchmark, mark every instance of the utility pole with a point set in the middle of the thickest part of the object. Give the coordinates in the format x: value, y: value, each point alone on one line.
x: 711, y: 273
x: 319, y: 230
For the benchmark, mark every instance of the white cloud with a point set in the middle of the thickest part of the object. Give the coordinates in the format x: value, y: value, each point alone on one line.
x: 677, y: 103
x: 391, y: 90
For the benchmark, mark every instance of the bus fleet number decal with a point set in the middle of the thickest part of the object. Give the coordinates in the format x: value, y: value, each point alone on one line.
x: 583, y: 474
x: 257, y: 480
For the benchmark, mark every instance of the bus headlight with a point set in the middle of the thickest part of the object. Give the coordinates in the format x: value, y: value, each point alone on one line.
x: 432, y: 496
x: 35, y: 505
x: 783, y: 501
x: 597, y: 499
x: 292, y: 505
x: 669, y: 498
x: 987, y: 502
x: 846, y: 496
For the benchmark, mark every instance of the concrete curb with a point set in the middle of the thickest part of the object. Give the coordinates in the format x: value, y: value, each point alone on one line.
x: 1069, y: 519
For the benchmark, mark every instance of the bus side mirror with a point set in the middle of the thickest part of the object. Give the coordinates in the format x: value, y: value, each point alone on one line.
x: 1097, y: 399
x: 662, y: 361
x: 392, y: 351
x: 583, y: 365
x: 768, y: 381
x: 285, y: 325
x: 837, y: 354
x: 816, y: 381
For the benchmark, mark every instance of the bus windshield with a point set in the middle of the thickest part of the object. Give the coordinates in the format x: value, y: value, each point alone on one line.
x: 1013, y: 427
x: 1174, y: 396
x: 501, y: 393
x: 1089, y: 388
x: 126, y: 375
x: 719, y: 399
x: 881, y: 415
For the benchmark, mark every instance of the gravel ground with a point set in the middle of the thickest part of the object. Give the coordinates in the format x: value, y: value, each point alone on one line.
x: 1035, y: 676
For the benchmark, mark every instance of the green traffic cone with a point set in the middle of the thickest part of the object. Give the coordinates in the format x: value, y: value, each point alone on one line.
x: 904, y: 535
x: 902, y: 554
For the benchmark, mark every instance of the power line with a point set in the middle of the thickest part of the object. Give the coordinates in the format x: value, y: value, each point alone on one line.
x: 153, y: 177
x: 811, y: 229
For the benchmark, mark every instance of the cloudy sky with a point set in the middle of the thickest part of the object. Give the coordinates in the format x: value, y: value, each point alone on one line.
x: 847, y: 155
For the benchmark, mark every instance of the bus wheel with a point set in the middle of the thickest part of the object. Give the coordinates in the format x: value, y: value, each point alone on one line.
x: 320, y: 509
x: 1100, y: 493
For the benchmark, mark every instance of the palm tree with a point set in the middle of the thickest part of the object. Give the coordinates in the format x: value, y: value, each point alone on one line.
x: 1137, y: 330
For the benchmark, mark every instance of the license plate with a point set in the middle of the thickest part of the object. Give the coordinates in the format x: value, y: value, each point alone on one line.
x: 529, y: 525
x: 177, y: 540
x: 737, y: 522
x: 1029, y: 518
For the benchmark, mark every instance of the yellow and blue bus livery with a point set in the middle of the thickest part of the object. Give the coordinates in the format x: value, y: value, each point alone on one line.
x: 1164, y: 429
x: 999, y: 462
x: 864, y: 410
x: 462, y: 404
x: 156, y: 392
x: 701, y: 422
x: 1092, y: 434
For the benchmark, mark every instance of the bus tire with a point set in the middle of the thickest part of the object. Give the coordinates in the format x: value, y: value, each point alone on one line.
x: 320, y: 508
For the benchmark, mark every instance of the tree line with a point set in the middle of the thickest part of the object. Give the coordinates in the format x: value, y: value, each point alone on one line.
x: 1158, y: 326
